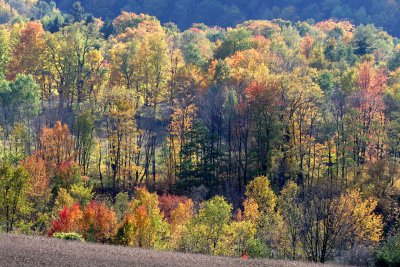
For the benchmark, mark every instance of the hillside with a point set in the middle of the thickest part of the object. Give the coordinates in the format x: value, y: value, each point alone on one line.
x: 224, y: 13
x: 270, y: 139
x: 20, y: 251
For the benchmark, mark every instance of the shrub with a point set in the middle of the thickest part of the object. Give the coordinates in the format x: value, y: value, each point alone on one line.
x: 257, y: 249
x: 388, y: 254
x: 69, y: 236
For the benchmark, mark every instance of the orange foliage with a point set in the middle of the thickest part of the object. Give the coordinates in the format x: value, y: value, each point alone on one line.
x: 95, y: 223
x: 99, y: 222
x: 130, y: 20
x: 261, y: 27
x: 38, y: 178
x: 168, y: 203
x: 56, y: 145
x: 369, y: 101
x: 68, y: 173
x: 181, y: 214
x: 69, y: 220
x: 346, y: 27
x: 307, y: 45
x: 28, y: 50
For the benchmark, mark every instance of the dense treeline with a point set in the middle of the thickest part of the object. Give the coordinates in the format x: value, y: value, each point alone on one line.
x: 231, y: 12
x: 93, y: 112
x: 222, y: 13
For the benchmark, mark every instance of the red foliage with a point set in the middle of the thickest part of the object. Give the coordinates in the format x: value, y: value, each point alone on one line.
x: 69, y: 220
x: 95, y: 223
x: 68, y: 173
x: 263, y: 95
x: 168, y: 203
x: 99, y: 222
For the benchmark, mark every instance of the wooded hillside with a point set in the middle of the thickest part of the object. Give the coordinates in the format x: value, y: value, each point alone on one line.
x: 270, y: 139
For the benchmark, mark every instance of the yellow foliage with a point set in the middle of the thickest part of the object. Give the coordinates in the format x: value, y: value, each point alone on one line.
x: 356, y: 217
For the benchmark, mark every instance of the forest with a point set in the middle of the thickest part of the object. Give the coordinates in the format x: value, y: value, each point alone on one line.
x: 269, y: 139
x: 383, y: 13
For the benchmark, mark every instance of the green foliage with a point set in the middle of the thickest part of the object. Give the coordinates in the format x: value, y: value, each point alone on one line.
x: 196, y: 48
x: 5, y: 51
x: 84, y: 127
x: 388, y: 254
x: 20, y: 99
x: 207, y: 227
x: 210, y: 112
x: 368, y: 39
x: 236, y: 40
x: 63, y: 199
x: 260, y: 190
x: 257, y: 249
x: 121, y: 205
x: 236, y: 239
x: 13, y: 203
x: 81, y: 193
x: 394, y: 62
x: 69, y: 236
x: 194, y: 239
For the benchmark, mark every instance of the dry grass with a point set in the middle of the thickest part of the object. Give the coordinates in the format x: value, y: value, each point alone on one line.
x: 17, y: 250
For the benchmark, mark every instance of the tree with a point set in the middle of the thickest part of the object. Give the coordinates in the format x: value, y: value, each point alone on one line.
x: 289, y: 206
x: 121, y: 205
x: 5, y: 51
x: 81, y: 194
x: 38, y: 192
x: 168, y: 203
x: 129, y: 20
x: 78, y: 11
x: 67, y: 69
x: 207, y: 227
x: 179, y: 217
x: 29, y: 50
x: 358, y: 221
x: 98, y: 223
x: 260, y: 191
x: 69, y: 220
x: 20, y: 102
x: 56, y: 146
x: 63, y: 200
x: 13, y: 185
x: 144, y: 226
x: 84, y: 131
x: 235, y: 239
x: 260, y: 209
x: 369, y: 39
x: 332, y: 223
x: 120, y: 130
x: 236, y: 40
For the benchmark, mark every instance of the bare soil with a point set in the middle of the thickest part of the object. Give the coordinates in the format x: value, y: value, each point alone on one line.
x: 18, y: 250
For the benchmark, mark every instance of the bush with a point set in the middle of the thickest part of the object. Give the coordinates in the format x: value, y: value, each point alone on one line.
x: 388, y: 254
x: 257, y: 249
x: 69, y: 236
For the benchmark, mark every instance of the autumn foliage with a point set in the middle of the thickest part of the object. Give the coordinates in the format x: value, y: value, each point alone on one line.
x: 267, y: 139
x: 95, y: 223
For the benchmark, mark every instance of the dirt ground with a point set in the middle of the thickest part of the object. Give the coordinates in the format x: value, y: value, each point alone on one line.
x: 17, y: 250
